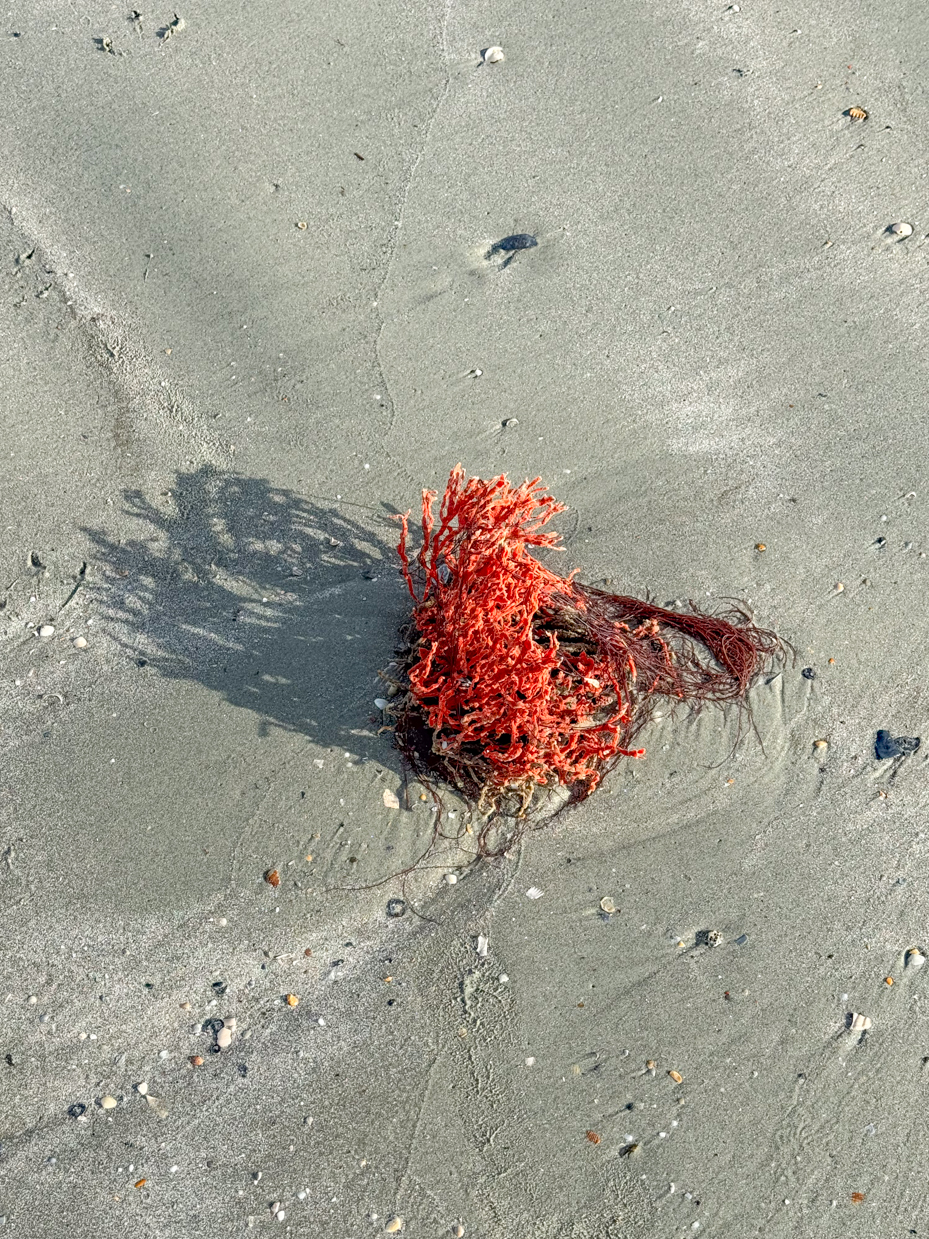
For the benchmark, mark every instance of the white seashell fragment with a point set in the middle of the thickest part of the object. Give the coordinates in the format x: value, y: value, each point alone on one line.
x: 534, y: 893
x: 451, y: 878
x: 394, y: 1225
x: 607, y: 904
x: 224, y: 1038
x: 390, y: 799
x: 915, y: 957
x: 80, y: 643
x: 483, y: 946
x: 860, y: 1023
x: 493, y: 55
x: 901, y: 229
x: 47, y: 630
x: 381, y: 703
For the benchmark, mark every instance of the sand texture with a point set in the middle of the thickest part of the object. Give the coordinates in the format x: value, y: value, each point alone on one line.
x: 251, y: 302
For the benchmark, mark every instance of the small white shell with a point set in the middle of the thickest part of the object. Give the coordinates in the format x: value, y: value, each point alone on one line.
x: 901, y: 230
x: 493, y: 55
x: 80, y: 643
x: 483, y: 946
x: 451, y: 878
x: 224, y: 1038
x: 534, y: 893
x: 915, y: 957
x: 394, y: 1225
x: 47, y: 630
x: 860, y: 1023
x: 381, y: 703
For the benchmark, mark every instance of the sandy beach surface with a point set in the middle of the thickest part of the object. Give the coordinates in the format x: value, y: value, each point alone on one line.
x: 250, y: 305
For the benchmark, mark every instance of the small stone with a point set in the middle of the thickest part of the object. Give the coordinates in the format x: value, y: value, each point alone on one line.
x: 458, y: 1230
x: 760, y: 546
x: 390, y: 799
x: 607, y: 904
x: 820, y: 744
x: 47, y: 630
x: 224, y: 1038
x: 396, y: 907
x: 142, y: 1088
x: 493, y: 55
x: 530, y: 1061
x: 80, y: 643
x: 503, y: 978
x: 382, y: 703
x: 451, y: 878
x: 676, y: 1077
x: 108, y: 1102
x: 272, y: 877
x: 808, y: 673
x: 291, y: 999
x: 901, y: 229
x: 196, y: 1060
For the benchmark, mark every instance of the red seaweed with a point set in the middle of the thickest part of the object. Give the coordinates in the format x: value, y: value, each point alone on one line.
x: 516, y: 679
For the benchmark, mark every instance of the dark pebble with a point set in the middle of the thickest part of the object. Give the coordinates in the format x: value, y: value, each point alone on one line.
x: 709, y: 937
x: 77, y: 1109
x: 808, y: 673
x: 886, y: 745
x: 396, y: 907
x: 515, y: 241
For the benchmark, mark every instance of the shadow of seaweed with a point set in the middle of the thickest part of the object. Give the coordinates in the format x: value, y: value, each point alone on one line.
x: 285, y: 606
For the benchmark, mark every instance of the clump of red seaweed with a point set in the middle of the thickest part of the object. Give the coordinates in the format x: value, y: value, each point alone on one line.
x: 516, y: 679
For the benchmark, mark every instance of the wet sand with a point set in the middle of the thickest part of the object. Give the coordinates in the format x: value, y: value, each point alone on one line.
x: 245, y: 288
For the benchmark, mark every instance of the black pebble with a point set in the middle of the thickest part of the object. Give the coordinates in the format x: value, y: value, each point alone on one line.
x: 808, y: 673
x: 77, y: 1109
x: 396, y: 907
x: 886, y: 745
x: 512, y: 244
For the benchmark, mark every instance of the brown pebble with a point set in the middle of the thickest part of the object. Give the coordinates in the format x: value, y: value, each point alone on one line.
x: 141, y: 1182
x: 291, y: 999
x: 272, y: 877
x: 308, y: 952
x: 888, y: 980
x: 760, y: 546
x: 196, y: 1060
x: 592, y: 1137
x: 676, y: 1077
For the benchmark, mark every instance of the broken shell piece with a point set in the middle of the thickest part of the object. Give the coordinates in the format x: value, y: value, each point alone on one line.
x: 820, y: 744
x: 390, y: 799
x: 224, y: 1038
x: 607, y: 904
x: 901, y: 230
x: 534, y: 893
x: 915, y: 957
x: 381, y: 703
x: 857, y: 113
x: 483, y: 946
x: 493, y: 55
x: 676, y: 1077
x: 394, y: 1225
x: 860, y: 1023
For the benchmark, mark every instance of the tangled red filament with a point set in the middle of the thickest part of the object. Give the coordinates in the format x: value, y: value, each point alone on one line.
x: 519, y: 678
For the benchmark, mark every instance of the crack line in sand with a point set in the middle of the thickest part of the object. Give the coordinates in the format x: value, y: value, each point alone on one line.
x: 394, y: 238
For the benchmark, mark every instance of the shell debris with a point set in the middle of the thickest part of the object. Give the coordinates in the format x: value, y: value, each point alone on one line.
x: 915, y: 958
x: 860, y: 1023
x: 857, y: 113
x: 394, y: 1226
x: 493, y: 55
x: 901, y: 229
x: 390, y: 799
x: 676, y: 1077
x: 607, y: 904
x: 483, y: 945
x: 534, y: 893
